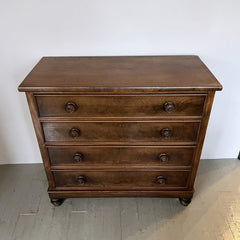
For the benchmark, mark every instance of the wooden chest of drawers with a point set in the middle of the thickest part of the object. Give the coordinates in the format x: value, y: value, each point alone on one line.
x: 120, y: 126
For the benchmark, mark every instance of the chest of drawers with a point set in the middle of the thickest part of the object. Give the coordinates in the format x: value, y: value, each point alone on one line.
x: 120, y: 126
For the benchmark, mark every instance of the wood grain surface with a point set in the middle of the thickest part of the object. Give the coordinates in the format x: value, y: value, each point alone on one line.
x: 121, y: 105
x: 121, y: 131
x: 96, y: 74
x: 121, y: 180
x: 93, y: 156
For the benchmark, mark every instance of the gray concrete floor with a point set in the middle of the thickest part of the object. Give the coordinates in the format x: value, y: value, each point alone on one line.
x: 26, y: 213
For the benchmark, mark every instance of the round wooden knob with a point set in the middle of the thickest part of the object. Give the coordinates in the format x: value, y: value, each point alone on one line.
x: 165, y: 133
x: 74, y: 132
x: 169, y: 107
x: 161, y: 180
x: 81, y: 180
x: 78, y: 157
x: 163, y: 157
x: 71, y: 107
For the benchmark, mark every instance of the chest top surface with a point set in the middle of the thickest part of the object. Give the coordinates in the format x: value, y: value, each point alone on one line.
x: 152, y: 73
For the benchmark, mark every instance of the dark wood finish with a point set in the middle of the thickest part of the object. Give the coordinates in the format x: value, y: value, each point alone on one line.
x: 116, y: 74
x: 70, y: 107
x: 161, y: 180
x: 120, y: 126
x: 185, y: 201
x: 170, y: 107
x: 121, y: 131
x: 77, y: 157
x: 120, y: 156
x: 74, y: 133
x: 120, y: 193
x: 203, y: 129
x: 82, y: 180
x: 163, y: 157
x: 120, y: 105
x: 57, y: 201
x: 40, y: 137
x: 107, y: 180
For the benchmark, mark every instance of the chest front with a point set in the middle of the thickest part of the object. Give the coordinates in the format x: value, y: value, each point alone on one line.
x: 120, y: 126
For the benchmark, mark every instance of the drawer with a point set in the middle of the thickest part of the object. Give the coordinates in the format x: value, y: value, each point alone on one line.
x: 120, y: 131
x: 120, y: 106
x: 123, y: 155
x: 121, y: 179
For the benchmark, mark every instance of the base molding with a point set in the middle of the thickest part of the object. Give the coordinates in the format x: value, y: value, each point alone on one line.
x: 119, y: 193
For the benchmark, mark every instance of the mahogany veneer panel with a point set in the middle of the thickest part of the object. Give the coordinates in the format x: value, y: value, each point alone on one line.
x: 121, y: 180
x: 121, y: 106
x: 125, y: 155
x: 121, y: 131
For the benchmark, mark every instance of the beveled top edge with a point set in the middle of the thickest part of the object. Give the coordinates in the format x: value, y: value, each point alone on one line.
x: 119, y: 74
x: 118, y: 90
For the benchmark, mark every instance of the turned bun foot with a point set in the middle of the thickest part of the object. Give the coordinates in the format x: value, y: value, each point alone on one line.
x: 185, y: 201
x: 57, y: 201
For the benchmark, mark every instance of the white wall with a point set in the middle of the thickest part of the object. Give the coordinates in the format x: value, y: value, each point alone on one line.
x: 31, y: 29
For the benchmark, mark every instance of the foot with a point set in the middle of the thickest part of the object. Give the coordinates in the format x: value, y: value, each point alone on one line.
x: 185, y: 201
x: 57, y: 201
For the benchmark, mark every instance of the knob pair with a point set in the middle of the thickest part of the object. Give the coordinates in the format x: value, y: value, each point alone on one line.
x: 165, y: 132
x: 160, y: 180
x: 71, y: 107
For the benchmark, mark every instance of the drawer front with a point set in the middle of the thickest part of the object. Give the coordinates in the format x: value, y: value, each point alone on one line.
x: 121, y: 131
x: 121, y: 179
x: 121, y: 106
x: 136, y: 155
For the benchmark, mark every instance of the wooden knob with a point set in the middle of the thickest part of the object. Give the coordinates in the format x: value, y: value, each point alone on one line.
x: 74, y: 132
x: 163, y: 157
x: 81, y: 180
x: 169, y: 107
x: 165, y: 133
x: 78, y: 157
x: 71, y: 107
x: 161, y: 180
